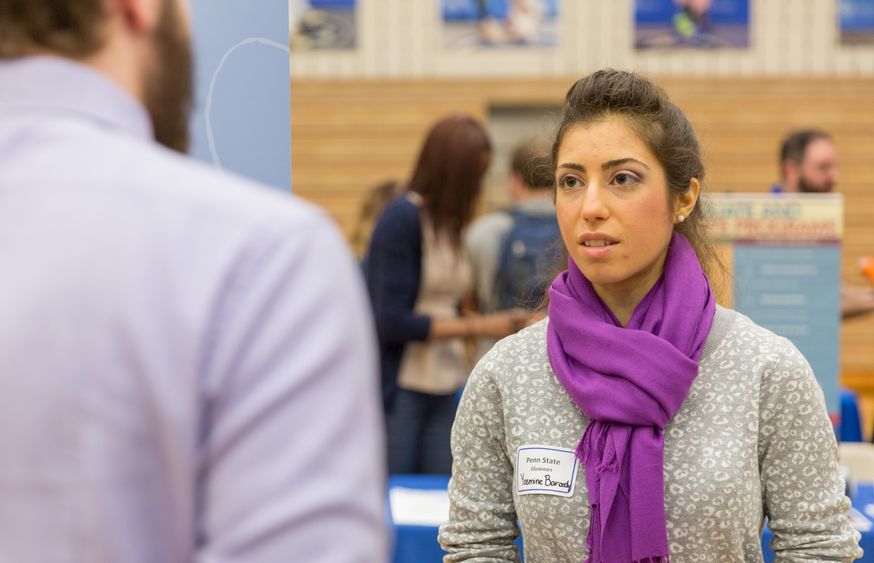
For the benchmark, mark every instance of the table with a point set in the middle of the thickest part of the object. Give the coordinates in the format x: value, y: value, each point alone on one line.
x: 415, y: 543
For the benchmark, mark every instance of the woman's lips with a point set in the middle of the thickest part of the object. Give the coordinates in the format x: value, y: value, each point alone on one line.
x: 597, y: 245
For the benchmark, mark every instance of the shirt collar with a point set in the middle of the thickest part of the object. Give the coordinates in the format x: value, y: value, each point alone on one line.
x: 55, y: 83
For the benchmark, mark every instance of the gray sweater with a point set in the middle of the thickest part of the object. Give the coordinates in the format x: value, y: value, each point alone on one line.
x: 751, y: 440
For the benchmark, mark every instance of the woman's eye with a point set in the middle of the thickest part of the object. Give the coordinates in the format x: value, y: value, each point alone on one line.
x: 625, y: 179
x: 570, y: 182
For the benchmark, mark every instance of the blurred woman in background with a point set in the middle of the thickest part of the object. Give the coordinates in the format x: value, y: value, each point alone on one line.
x: 417, y: 275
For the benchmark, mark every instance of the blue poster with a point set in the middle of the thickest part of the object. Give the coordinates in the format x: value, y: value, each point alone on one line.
x: 692, y: 23
x: 857, y: 22
x: 242, y: 120
x: 323, y: 24
x: 499, y: 23
x: 793, y: 291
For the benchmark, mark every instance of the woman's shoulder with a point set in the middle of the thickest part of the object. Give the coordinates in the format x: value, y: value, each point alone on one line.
x: 520, y: 356
x: 401, y: 207
x: 742, y: 339
x: 526, y: 346
x: 515, y: 376
x: 399, y: 217
x: 743, y: 328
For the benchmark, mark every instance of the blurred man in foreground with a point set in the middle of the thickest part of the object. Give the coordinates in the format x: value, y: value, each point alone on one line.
x: 809, y: 164
x: 188, y: 370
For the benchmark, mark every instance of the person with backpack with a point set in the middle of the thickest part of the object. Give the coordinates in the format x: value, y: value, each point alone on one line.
x: 515, y: 251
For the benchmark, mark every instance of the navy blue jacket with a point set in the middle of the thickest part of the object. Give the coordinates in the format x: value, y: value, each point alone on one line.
x: 392, y: 270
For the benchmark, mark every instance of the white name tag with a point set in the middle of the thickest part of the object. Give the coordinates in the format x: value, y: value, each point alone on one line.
x: 545, y: 470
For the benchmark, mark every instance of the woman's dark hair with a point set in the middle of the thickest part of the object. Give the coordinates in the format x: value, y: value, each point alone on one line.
x: 662, y: 127
x: 449, y: 173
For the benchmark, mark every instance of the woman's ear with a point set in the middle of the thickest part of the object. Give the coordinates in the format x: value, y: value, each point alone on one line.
x: 685, y: 203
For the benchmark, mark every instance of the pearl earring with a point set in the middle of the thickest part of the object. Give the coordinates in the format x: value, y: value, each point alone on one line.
x: 681, y: 218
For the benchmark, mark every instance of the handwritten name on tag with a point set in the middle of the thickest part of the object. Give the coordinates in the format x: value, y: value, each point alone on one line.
x: 545, y: 470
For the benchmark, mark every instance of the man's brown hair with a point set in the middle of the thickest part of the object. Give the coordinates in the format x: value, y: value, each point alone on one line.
x: 532, y: 162
x: 67, y: 27
x: 795, y: 144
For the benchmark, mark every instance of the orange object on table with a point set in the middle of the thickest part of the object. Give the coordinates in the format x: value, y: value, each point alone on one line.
x: 866, y: 265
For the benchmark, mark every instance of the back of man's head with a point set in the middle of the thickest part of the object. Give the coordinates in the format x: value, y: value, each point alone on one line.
x: 143, y: 46
x: 65, y: 27
x: 531, y: 163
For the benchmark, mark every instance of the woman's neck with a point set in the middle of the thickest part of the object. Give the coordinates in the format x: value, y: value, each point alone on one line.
x: 622, y: 306
x: 623, y: 298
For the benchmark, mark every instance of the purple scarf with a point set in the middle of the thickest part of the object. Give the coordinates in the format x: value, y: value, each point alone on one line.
x: 629, y: 382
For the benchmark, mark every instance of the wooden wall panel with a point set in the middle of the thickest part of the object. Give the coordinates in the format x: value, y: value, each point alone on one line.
x: 349, y: 134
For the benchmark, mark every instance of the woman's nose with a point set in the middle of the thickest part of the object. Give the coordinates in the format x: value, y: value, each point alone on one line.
x: 594, y: 205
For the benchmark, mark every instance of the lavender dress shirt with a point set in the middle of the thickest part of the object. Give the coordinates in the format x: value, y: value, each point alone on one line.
x: 187, y: 365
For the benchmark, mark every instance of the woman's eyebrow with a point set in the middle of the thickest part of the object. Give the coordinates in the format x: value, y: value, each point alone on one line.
x: 620, y: 161
x: 572, y: 166
x: 606, y: 166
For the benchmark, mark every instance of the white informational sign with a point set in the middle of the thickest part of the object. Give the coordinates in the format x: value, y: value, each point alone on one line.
x: 787, y: 271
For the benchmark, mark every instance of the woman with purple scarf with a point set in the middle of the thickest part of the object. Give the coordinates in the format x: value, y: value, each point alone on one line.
x: 640, y: 421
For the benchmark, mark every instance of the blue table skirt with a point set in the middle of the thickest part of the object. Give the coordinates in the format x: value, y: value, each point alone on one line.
x: 850, y: 429
x: 418, y: 544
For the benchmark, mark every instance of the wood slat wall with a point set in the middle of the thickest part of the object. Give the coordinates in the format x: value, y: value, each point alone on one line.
x: 348, y: 135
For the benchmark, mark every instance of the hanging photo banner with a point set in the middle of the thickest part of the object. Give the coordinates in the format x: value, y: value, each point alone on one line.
x: 242, y: 120
x: 857, y: 22
x: 322, y: 24
x: 695, y: 24
x: 499, y: 23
